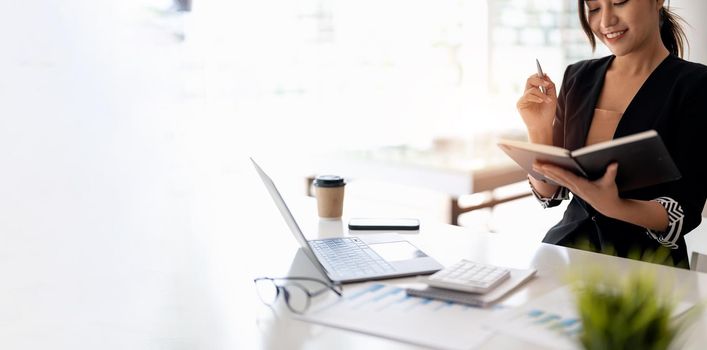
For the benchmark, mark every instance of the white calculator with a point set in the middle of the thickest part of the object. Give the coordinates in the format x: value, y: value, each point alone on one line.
x: 469, y: 276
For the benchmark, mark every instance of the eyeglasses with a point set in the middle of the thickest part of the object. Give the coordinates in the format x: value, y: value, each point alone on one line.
x: 296, y: 295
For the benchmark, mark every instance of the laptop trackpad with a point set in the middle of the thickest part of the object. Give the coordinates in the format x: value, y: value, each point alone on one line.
x: 397, y: 251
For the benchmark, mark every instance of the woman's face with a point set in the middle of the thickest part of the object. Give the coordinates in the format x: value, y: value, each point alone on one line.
x: 625, y: 26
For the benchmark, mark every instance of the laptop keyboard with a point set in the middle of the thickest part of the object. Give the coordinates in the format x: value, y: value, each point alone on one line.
x: 349, y: 256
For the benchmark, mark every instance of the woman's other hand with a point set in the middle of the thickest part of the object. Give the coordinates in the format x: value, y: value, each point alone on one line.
x: 538, y: 109
x: 602, y: 194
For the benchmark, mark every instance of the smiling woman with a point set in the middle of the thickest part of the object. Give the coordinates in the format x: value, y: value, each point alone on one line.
x: 643, y: 85
x: 671, y: 34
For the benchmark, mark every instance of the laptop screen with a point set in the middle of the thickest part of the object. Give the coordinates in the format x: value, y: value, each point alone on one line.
x: 289, y: 218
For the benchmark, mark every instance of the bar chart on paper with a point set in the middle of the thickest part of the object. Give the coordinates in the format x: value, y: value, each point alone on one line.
x: 387, y: 311
x: 550, y: 321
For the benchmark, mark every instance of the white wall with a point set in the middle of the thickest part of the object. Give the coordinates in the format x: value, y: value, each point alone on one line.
x: 694, y: 13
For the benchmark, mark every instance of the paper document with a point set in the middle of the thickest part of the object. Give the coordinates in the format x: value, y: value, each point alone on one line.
x: 551, y: 320
x: 386, y: 311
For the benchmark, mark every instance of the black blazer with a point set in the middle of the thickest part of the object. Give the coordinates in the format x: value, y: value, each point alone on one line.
x: 673, y: 101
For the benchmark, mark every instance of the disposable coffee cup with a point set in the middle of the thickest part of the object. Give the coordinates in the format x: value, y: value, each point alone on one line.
x: 329, y: 190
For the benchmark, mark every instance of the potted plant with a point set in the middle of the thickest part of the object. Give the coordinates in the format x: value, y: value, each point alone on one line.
x: 627, y: 312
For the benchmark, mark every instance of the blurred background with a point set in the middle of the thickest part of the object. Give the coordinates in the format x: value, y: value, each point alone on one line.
x: 322, y: 74
x: 176, y: 94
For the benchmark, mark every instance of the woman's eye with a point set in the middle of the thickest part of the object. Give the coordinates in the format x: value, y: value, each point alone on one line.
x: 596, y: 9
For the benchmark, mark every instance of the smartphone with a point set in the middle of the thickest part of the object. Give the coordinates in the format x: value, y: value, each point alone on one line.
x: 383, y: 224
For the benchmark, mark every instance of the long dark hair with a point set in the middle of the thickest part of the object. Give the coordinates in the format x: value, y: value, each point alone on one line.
x: 671, y: 31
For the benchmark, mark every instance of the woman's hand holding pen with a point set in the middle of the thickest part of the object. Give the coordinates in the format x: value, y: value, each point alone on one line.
x: 538, y: 109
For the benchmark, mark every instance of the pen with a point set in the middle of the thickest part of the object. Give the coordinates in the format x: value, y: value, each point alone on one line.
x: 540, y: 74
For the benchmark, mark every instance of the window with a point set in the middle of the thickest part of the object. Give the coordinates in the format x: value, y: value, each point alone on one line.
x: 357, y: 74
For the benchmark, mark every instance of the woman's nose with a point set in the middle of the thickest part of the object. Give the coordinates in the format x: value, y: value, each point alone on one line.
x: 608, y: 17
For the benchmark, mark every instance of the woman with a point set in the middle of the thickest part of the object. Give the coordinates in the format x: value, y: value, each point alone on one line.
x: 643, y: 85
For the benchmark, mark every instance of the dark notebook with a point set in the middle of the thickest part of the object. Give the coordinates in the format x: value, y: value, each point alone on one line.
x: 642, y: 157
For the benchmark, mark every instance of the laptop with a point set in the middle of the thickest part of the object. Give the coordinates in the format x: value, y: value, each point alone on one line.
x: 355, y: 259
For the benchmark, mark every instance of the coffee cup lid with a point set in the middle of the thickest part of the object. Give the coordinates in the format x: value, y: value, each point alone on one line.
x: 329, y: 181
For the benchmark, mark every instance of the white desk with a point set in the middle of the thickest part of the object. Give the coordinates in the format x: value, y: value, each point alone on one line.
x: 448, y: 244
x: 174, y: 271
